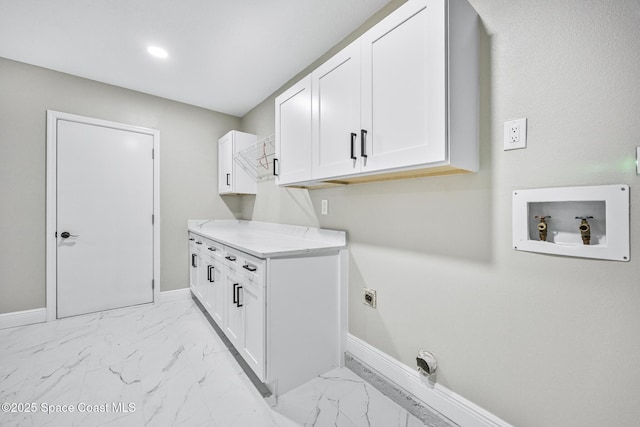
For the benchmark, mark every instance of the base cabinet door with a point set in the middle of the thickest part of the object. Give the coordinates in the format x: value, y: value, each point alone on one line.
x: 252, y: 349
x: 217, y: 294
x: 193, y: 269
x: 234, y: 319
x: 197, y: 276
x: 208, y: 290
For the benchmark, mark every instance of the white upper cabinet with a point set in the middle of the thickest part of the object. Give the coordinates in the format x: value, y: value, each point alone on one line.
x: 336, y: 115
x: 292, y: 163
x: 402, y: 100
x: 233, y: 179
x: 403, y: 110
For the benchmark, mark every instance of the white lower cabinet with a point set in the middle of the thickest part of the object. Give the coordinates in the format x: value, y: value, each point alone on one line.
x: 282, y: 314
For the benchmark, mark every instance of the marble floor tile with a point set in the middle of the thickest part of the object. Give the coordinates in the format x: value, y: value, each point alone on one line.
x: 164, y: 365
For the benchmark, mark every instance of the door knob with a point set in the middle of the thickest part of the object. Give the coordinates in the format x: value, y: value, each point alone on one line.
x: 66, y: 235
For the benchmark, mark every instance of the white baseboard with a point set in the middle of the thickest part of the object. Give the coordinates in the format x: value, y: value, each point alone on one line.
x: 451, y: 405
x: 175, y: 295
x: 21, y: 318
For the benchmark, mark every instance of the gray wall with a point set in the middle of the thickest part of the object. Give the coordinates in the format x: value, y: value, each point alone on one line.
x: 538, y: 340
x: 188, y: 164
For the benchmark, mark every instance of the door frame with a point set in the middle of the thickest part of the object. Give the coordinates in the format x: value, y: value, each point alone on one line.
x: 52, y: 204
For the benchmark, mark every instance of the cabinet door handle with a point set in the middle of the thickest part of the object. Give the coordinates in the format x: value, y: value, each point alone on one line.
x: 235, y: 295
x: 353, y: 145
x: 250, y: 267
x: 193, y: 260
x: 210, y: 273
x: 228, y: 176
x: 363, y: 143
x: 274, y: 167
x: 238, y: 291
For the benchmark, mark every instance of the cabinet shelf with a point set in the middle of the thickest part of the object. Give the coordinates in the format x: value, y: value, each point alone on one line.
x: 257, y: 160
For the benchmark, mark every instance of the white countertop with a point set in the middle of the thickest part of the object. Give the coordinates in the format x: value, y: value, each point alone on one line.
x: 269, y: 240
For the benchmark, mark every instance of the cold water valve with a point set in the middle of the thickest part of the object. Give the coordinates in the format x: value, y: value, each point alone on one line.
x: 542, y: 227
x: 585, y: 229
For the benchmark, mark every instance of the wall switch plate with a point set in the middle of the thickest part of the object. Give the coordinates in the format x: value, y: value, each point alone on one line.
x: 369, y: 297
x: 325, y: 207
x: 515, y: 134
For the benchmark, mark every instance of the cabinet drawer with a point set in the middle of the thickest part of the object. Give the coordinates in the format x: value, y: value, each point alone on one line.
x: 246, y: 265
x: 196, y: 241
x: 213, y: 248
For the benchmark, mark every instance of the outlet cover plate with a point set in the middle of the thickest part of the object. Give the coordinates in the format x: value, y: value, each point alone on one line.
x: 515, y: 134
x: 369, y: 297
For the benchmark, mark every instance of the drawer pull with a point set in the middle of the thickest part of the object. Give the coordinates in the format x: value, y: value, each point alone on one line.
x: 198, y: 243
x: 230, y: 257
x: 191, y: 239
x: 212, y: 249
x: 250, y: 267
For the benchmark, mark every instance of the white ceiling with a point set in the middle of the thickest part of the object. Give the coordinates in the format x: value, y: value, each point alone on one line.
x: 225, y: 55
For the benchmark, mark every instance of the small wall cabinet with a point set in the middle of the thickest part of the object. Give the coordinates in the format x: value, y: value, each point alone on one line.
x: 400, y: 101
x: 587, y: 222
x: 233, y: 179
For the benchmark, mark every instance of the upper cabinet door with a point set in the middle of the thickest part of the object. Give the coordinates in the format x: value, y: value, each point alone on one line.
x: 231, y: 178
x: 225, y: 164
x: 293, y: 134
x: 336, y: 115
x: 404, y: 87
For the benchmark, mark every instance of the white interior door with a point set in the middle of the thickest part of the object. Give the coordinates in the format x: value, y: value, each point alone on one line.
x: 105, y: 181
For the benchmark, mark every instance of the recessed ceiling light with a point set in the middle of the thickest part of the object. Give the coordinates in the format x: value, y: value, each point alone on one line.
x: 158, y: 52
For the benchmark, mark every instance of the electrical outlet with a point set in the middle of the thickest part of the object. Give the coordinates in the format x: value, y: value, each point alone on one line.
x: 515, y: 134
x: 369, y: 297
x: 325, y: 207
